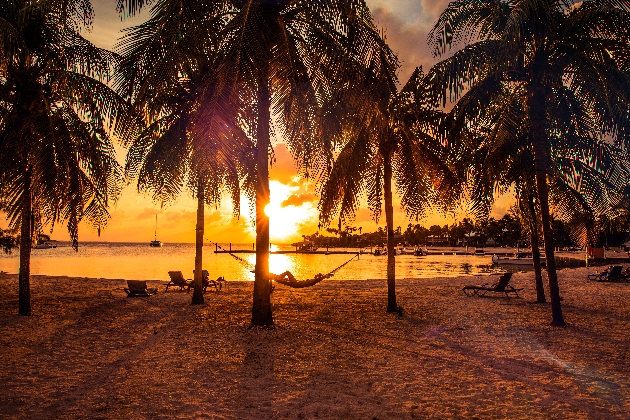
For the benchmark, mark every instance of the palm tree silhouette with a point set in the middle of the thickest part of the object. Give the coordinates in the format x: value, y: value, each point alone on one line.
x: 192, y: 137
x: 57, y: 163
x: 392, y: 138
x: 549, y: 55
x: 285, y: 57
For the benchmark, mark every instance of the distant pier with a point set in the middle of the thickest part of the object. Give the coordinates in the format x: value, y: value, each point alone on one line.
x: 250, y: 251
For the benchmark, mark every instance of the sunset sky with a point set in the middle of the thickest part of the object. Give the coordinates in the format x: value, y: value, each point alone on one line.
x: 293, y: 210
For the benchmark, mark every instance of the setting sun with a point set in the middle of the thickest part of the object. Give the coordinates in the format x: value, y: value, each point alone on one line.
x: 286, y: 216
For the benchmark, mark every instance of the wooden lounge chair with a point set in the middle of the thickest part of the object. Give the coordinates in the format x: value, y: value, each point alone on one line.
x: 178, y: 280
x: 613, y: 274
x: 502, y: 286
x: 206, y: 282
x: 138, y: 288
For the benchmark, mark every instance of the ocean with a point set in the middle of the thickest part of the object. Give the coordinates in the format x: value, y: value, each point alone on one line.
x: 138, y: 261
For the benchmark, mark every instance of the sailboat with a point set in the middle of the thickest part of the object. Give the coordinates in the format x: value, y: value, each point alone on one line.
x: 155, y: 241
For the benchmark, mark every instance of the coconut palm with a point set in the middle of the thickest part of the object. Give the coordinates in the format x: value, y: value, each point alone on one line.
x: 285, y: 57
x: 586, y: 178
x: 192, y: 138
x: 57, y: 163
x: 565, y: 61
x: 392, y: 139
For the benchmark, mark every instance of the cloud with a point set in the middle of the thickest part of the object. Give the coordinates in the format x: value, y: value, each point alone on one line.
x: 406, y: 29
x: 298, y: 199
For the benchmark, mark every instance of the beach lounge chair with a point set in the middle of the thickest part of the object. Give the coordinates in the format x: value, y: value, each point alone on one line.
x: 178, y: 280
x: 612, y: 273
x: 502, y: 286
x: 138, y: 288
x: 206, y: 282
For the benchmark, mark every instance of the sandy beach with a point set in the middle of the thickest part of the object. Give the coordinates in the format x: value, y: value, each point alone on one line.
x: 90, y: 352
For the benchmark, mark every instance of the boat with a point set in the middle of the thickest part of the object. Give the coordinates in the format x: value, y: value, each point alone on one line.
x: 420, y: 252
x: 308, y: 246
x: 45, y: 245
x: 407, y: 250
x: 380, y: 250
x: 519, y: 258
x: 155, y: 242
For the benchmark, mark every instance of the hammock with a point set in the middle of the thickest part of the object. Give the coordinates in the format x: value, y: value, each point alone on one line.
x: 286, y: 278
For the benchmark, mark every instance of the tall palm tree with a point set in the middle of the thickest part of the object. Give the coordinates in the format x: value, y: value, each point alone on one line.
x: 285, y: 57
x: 57, y: 163
x: 563, y: 59
x: 192, y: 135
x: 392, y: 139
x: 586, y: 178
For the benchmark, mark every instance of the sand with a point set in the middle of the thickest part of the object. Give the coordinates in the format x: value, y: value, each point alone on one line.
x: 334, y: 353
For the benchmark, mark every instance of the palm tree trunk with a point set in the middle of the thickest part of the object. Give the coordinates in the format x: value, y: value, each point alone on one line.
x: 261, y: 308
x: 536, y: 105
x: 540, y: 289
x: 197, y: 298
x: 24, y: 284
x: 389, y: 219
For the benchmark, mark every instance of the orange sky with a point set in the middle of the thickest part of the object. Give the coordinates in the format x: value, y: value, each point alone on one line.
x: 293, y: 209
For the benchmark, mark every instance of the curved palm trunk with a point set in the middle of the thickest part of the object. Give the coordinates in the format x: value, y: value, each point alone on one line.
x: 197, y: 298
x: 26, y: 237
x: 261, y: 308
x: 536, y: 105
x: 540, y: 289
x: 391, y: 251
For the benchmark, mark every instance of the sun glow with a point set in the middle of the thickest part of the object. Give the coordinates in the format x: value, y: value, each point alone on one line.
x: 285, y: 220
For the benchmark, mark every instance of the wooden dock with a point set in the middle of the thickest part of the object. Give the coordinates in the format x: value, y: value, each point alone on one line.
x: 250, y: 251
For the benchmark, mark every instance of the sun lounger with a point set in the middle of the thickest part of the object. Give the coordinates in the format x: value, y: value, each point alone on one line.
x: 206, y: 282
x: 502, y: 286
x: 614, y: 273
x: 178, y: 280
x: 138, y: 288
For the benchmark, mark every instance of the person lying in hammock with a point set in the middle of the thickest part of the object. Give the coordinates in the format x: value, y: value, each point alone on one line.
x: 288, y: 277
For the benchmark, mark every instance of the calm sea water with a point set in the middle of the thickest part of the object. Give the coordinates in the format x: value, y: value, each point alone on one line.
x: 139, y: 261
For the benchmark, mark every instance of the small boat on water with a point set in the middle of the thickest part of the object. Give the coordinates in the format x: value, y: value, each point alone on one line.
x: 420, y: 252
x: 380, y: 250
x: 45, y: 245
x: 155, y: 242
x: 519, y: 258
x: 308, y: 246
x: 479, y: 251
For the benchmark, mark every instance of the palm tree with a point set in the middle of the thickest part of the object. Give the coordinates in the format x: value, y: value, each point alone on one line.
x: 192, y: 138
x: 391, y: 139
x: 285, y: 57
x: 562, y: 59
x: 500, y: 157
x: 57, y: 164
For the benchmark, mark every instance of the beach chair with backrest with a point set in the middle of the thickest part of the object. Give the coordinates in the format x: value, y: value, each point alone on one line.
x: 600, y: 274
x: 138, y: 288
x: 177, y: 280
x: 613, y: 273
x: 502, y: 286
x: 206, y: 282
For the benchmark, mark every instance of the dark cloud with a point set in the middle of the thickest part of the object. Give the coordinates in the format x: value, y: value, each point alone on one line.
x: 409, y: 39
x: 298, y: 199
